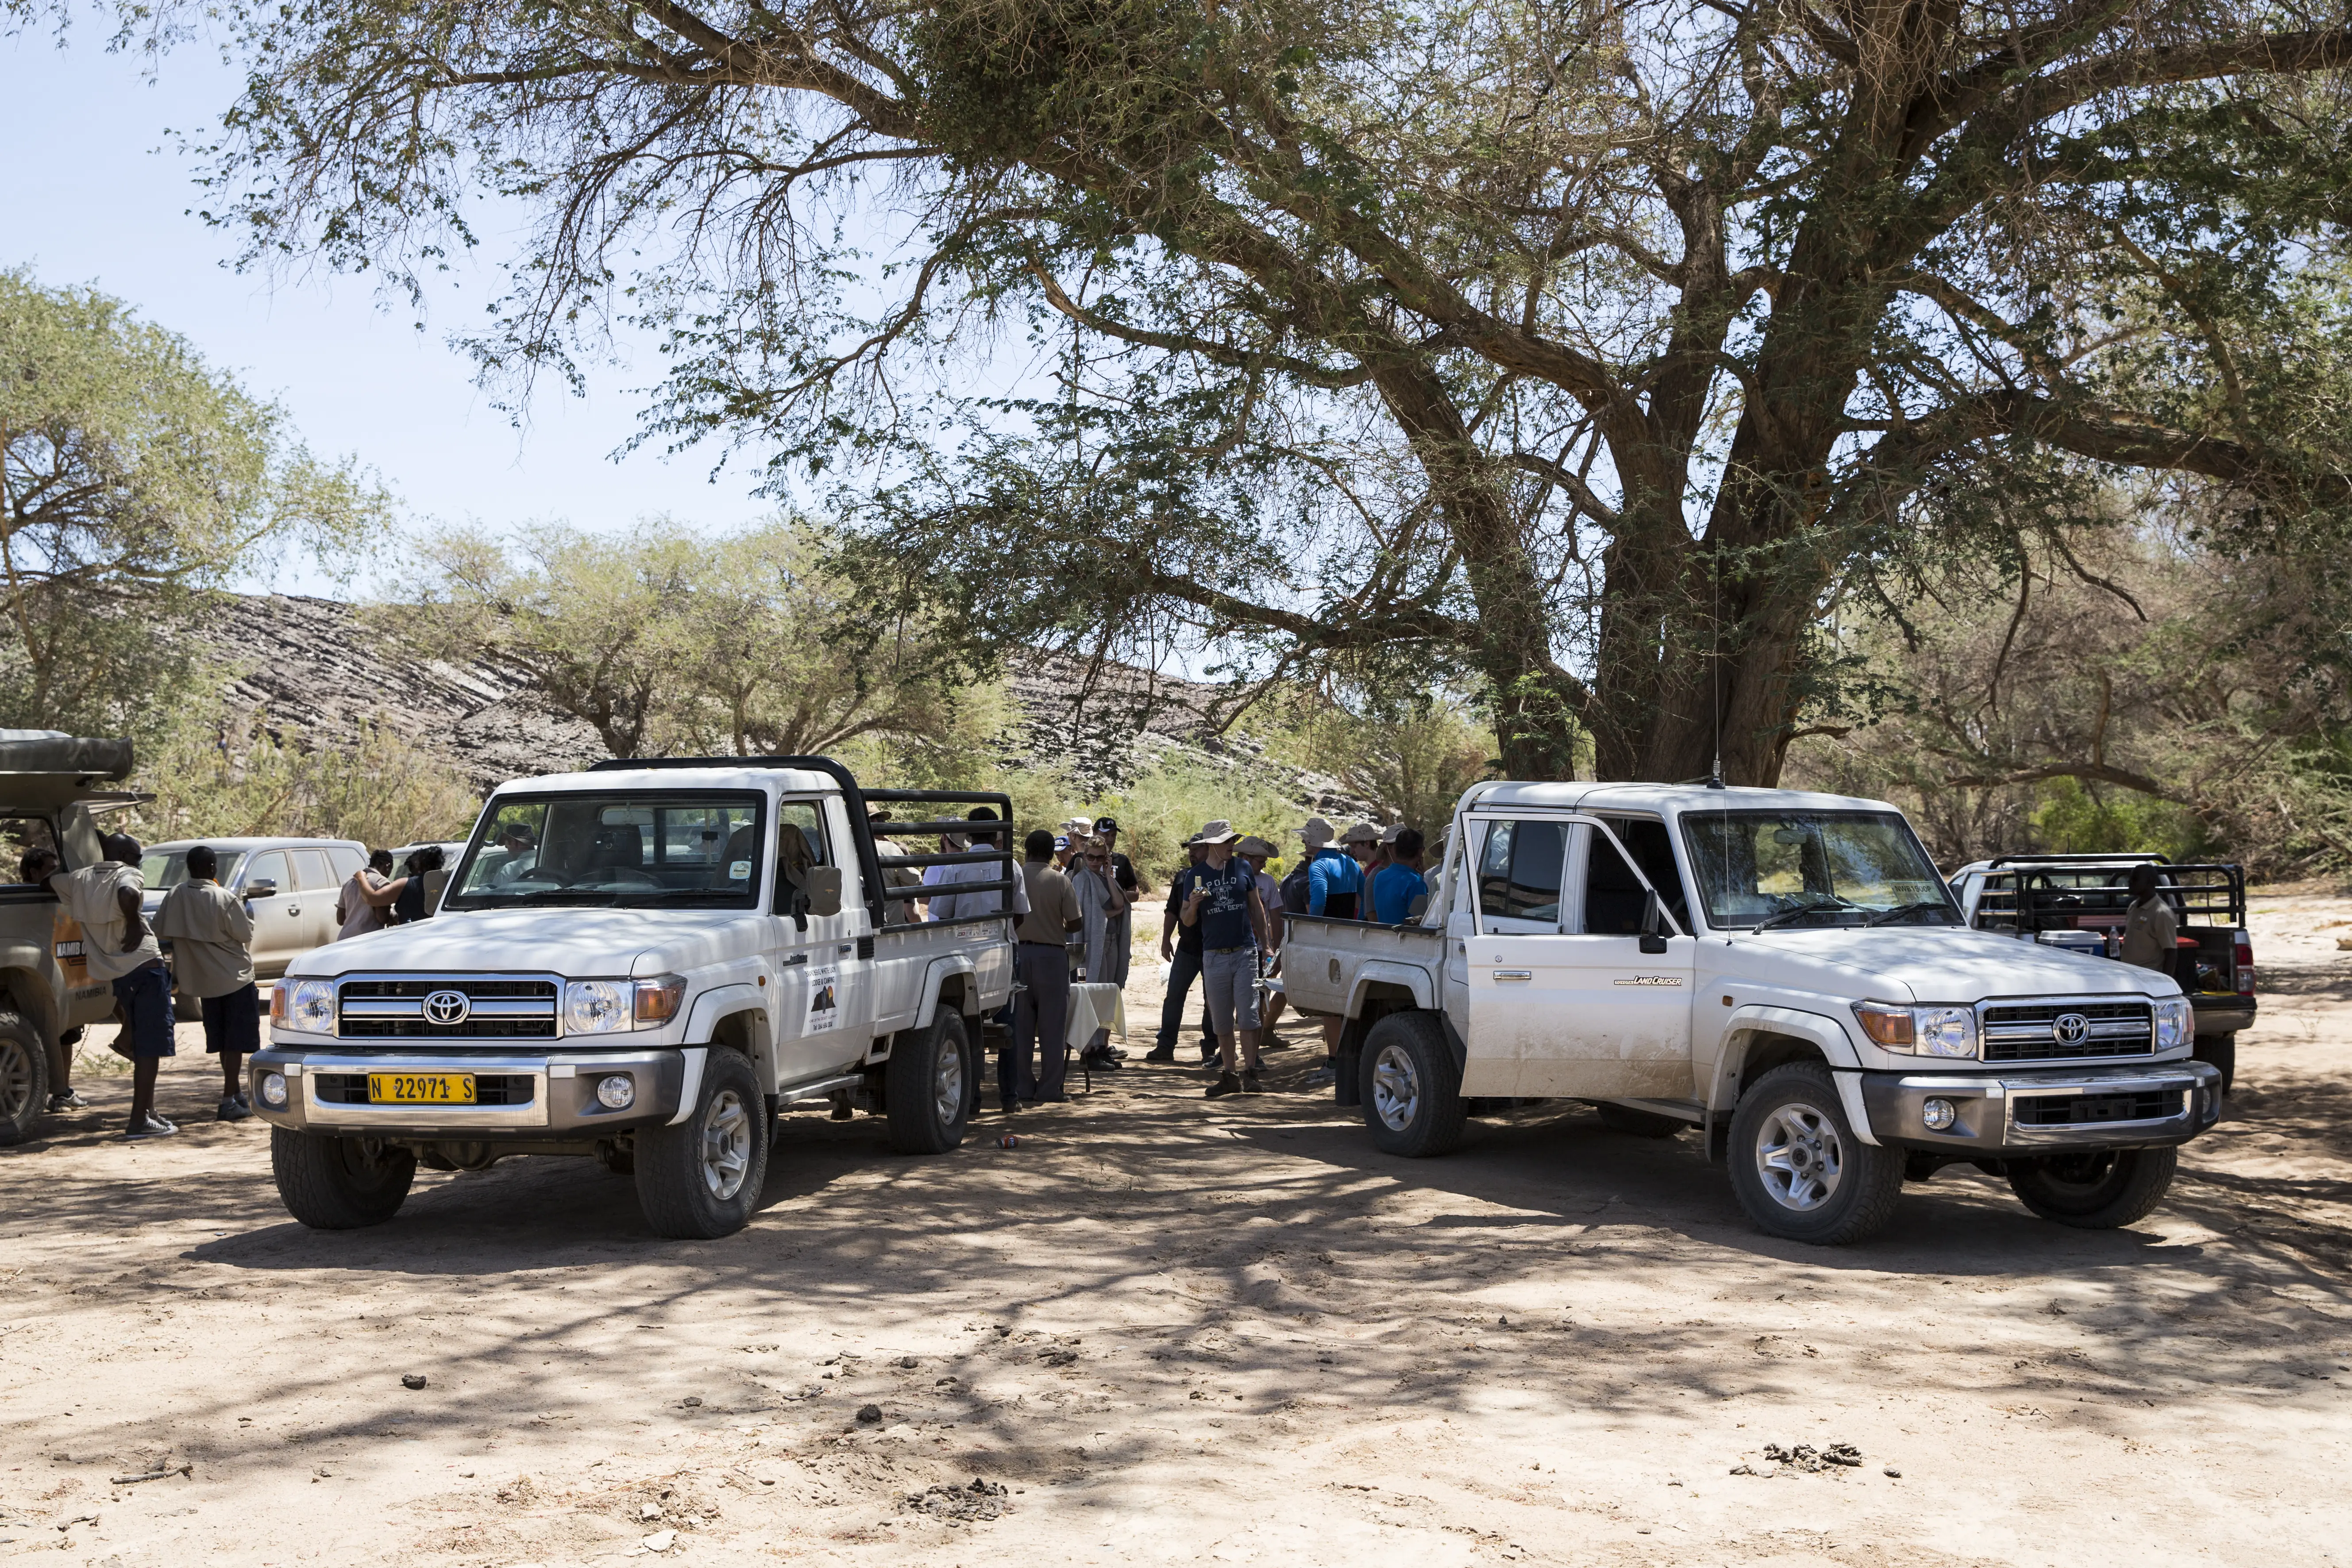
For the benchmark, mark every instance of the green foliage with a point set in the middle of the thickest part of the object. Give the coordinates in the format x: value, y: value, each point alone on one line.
x: 1164, y: 807
x: 134, y: 479
x: 221, y: 771
x: 1415, y: 762
x: 674, y: 643
x: 2071, y: 817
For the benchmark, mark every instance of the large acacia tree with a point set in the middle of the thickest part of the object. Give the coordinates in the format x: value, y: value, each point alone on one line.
x: 1589, y: 350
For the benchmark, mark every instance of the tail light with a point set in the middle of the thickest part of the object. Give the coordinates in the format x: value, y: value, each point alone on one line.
x: 2242, y: 960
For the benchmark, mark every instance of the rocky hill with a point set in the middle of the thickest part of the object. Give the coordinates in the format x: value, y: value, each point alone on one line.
x: 312, y: 666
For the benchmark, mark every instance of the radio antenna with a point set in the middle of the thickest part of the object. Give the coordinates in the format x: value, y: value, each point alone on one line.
x: 1715, y: 664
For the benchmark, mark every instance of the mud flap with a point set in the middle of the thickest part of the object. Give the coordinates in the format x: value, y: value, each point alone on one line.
x: 1348, y: 1088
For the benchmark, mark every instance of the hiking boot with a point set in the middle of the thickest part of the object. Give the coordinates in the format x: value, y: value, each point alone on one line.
x: 1160, y: 1054
x: 1103, y: 1061
x: 68, y: 1100
x: 148, y: 1126
x: 232, y: 1109
x: 1251, y: 1084
x: 1227, y: 1083
x: 1209, y: 1052
x: 1272, y: 1042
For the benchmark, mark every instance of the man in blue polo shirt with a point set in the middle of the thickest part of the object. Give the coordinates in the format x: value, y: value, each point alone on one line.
x: 1334, y: 886
x: 1398, y: 884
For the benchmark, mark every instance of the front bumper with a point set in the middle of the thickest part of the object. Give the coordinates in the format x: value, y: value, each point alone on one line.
x: 546, y: 1093
x: 2026, y: 1113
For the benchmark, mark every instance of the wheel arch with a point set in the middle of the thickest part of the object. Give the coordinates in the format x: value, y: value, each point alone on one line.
x: 23, y: 991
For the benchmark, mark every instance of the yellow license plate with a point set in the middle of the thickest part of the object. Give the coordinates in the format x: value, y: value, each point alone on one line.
x: 420, y: 1089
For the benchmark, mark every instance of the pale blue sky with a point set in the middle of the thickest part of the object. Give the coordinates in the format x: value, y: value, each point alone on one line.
x: 97, y: 194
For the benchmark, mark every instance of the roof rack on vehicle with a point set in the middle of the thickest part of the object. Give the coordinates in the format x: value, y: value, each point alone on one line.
x: 2119, y: 858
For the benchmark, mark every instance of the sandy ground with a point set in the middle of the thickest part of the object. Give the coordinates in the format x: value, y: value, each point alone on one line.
x: 1176, y: 1329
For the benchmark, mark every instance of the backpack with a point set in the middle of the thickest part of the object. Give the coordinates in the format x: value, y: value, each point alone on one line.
x: 1294, y: 890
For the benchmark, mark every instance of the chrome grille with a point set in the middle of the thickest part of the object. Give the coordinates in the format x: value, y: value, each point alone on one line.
x: 2031, y: 1032
x: 393, y: 1008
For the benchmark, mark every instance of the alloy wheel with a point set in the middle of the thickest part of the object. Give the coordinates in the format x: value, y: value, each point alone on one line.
x: 947, y: 1084
x: 1396, y: 1088
x: 1800, y: 1156
x: 726, y: 1145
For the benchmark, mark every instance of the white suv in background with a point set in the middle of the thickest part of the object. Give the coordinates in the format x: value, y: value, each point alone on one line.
x: 290, y: 884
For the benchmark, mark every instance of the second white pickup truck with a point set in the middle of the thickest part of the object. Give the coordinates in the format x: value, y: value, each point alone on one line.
x: 643, y: 963
x: 1786, y: 973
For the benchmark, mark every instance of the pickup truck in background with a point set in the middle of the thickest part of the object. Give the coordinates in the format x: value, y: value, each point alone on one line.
x: 691, y: 945
x: 53, y: 789
x: 2077, y: 902
x: 1785, y: 973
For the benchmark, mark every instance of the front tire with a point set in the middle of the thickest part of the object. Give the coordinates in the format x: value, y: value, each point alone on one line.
x: 24, y: 1080
x: 2222, y: 1050
x: 1797, y: 1168
x: 1411, y: 1088
x: 927, y: 1088
x: 2103, y: 1189
x: 339, y: 1183
x: 700, y: 1178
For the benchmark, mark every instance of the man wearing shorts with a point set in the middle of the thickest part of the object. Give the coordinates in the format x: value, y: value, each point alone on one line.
x: 1226, y: 907
x: 121, y: 948
x: 211, y: 933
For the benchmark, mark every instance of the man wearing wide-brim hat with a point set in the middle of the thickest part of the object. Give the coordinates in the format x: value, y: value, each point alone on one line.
x: 1223, y: 901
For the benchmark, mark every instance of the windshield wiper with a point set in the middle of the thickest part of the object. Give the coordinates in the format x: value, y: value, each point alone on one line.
x: 546, y: 896
x: 1785, y: 916
x: 1921, y: 905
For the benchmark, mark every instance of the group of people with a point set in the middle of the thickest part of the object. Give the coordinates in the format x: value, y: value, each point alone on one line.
x: 211, y: 933
x: 1222, y: 927
x: 1226, y: 919
x: 209, y: 927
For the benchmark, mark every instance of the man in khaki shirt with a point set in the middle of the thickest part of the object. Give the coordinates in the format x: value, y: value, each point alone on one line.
x: 1036, y: 1054
x: 2151, y: 930
x: 211, y: 933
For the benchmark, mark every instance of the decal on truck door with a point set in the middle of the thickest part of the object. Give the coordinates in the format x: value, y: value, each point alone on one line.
x: 824, y: 999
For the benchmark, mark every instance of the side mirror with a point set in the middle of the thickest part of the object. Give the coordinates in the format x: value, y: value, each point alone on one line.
x: 260, y: 889
x: 1652, y: 925
x: 823, y: 885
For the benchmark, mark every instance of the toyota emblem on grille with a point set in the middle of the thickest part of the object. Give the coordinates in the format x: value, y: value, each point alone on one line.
x: 2070, y: 1027
x: 448, y: 1007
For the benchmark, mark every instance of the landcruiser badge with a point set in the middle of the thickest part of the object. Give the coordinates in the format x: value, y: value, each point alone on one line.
x: 447, y: 1007
x: 1650, y: 980
x: 2070, y: 1028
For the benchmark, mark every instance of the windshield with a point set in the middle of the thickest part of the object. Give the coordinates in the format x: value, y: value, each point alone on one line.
x: 161, y: 868
x: 1841, y: 867
x: 682, y: 846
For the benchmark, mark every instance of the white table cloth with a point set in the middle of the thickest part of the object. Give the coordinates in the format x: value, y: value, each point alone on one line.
x: 1095, y: 1005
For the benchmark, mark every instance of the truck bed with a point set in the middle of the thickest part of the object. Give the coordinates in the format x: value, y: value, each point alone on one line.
x: 1323, y: 959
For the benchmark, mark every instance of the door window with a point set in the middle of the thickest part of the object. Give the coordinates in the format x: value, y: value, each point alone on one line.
x: 800, y: 843
x: 1613, y: 896
x: 344, y: 863
x: 312, y: 870
x: 269, y: 868
x: 1519, y: 870
x: 1645, y: 838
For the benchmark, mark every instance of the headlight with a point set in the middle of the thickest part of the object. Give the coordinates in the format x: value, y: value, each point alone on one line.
x: 596, y: 1007
x: 1922, y: 1031
x: 307, y: 1005
x: 610, y: 1006
x: 1945, y: 1031
x: 2173, y: 1021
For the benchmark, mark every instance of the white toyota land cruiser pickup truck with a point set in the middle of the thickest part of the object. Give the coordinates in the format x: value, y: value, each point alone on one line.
x: 1785, y: 972
x: 645, y: 963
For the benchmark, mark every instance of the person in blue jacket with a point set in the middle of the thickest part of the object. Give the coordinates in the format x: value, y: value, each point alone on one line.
x: 1335, y: 889
x: 1396, y: 885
